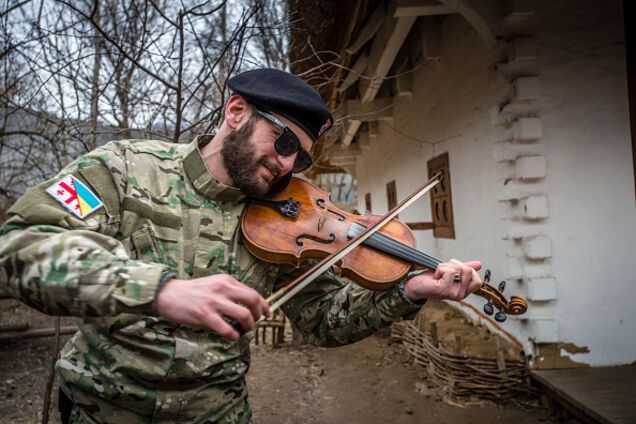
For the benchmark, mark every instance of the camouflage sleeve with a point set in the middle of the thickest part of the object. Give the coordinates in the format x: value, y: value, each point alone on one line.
x: 62, y: 264
x: 329, y: 312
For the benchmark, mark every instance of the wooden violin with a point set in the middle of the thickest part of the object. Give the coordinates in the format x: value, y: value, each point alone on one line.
x: 301, y: 223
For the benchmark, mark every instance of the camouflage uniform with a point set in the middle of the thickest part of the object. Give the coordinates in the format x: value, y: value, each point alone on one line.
x: 162, y: 211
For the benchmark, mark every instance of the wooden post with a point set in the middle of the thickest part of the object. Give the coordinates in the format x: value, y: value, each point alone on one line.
x: 501, y: 361
x: 15, y: 326
x: 458, y: 343
x: 280, y: 339
x: 434, y: 338
x: 420, y: 323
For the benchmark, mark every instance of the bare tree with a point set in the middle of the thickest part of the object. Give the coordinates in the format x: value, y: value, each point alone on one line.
x: 76, y: 73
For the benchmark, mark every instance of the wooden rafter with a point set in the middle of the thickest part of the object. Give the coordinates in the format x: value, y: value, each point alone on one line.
x: 368, y: 31
x: 474, y: 19
x: 389, y: 35
x: 421, y: 8
x: 384, y: 49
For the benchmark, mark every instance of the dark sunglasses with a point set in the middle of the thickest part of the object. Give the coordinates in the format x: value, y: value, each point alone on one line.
x: 287, y: 144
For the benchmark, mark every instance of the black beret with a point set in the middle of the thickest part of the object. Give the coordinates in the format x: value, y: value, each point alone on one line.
x: 281, y: 92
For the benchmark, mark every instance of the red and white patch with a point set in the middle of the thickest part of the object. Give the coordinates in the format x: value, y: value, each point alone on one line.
x: 325, y: 127
x: 75, y: 196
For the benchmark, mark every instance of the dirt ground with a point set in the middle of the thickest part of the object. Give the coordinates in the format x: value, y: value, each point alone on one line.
x: 370, y: 382
x: 373, y: 381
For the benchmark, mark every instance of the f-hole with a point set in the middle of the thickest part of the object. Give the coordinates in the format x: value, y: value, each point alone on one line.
x: 321, y: 204
x: 299, y: 239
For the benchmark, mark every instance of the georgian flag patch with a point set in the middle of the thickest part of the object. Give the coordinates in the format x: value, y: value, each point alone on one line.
x: 75, y: 196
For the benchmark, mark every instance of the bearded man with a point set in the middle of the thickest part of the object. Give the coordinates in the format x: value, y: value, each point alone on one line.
x: 141, y: 241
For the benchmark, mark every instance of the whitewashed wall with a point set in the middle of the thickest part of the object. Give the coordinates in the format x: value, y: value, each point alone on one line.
x: 590, y: 222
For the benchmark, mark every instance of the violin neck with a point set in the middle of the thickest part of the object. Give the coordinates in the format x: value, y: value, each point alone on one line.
x: 395, y: 248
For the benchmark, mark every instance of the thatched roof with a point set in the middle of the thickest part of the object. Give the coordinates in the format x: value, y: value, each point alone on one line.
x: 320, y: 32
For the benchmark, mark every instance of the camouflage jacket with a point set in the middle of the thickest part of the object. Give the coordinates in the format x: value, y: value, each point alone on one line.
x: 162, y: 210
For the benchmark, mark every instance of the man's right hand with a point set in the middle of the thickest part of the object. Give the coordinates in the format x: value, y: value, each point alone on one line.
x: 211, y: 302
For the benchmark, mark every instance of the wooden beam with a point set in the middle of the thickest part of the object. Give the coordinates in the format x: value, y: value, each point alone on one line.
x: 384, y: 49
x: 345, y: 151
x: 515, y: 10
x: 349, y: 169
x: 380, y: 108
x: 354, y: 74
x: 403, y: 83
x: 406, y: 8
x: 14, y: 326
x: 352, y: 128
x: 339, y: 112
x: 421, y: 225
x: 474, y: 19
x: 363, y: 141
x: 368, y: 31
x: 343, y: 160
x: 374, y: 129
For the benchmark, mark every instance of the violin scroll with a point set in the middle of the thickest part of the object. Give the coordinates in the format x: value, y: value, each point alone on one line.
x: 496, y: 299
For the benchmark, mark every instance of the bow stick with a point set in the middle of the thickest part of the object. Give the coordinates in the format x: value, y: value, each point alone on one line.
x: 277, y: 299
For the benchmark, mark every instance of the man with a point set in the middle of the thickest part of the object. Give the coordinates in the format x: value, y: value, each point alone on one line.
x: 140, y: 239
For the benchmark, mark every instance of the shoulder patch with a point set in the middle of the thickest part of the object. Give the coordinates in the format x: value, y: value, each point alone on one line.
x: 75, y: 196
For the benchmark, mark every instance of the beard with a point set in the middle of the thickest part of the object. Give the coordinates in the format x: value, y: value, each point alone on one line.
x: 242, y: 164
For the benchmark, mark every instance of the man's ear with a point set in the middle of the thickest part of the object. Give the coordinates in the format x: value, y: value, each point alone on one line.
x: 237, y: 111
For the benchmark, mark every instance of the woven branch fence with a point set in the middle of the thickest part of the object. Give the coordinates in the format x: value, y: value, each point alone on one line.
x: 464, y: 378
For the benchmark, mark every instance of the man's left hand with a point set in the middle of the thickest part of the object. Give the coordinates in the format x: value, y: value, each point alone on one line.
x: 442, y: 284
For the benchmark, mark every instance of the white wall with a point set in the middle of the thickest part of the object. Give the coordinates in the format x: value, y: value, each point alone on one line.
x: 589, y: 179
x: 448, y: 112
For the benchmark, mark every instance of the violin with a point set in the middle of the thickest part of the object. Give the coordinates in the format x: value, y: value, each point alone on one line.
x: 300, y: 223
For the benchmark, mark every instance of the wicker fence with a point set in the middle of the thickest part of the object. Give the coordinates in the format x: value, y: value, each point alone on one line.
x: 464, y: 378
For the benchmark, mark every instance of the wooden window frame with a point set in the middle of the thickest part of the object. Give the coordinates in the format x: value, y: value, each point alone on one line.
x: 367, y: 202
x: 441, y: 198
x: 391, y: 195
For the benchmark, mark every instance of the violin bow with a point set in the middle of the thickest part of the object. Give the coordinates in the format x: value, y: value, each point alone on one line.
x: 277, y: 299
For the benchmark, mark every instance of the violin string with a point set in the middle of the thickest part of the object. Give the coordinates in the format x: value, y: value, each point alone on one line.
x: 409, y: 252
x: 387, y: 244
x: 396, y: 248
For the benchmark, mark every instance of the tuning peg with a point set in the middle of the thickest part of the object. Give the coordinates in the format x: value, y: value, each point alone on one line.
x: 487, y: 276
x: 488, y: 308
x: 502, y: 286
x: 500, y: 317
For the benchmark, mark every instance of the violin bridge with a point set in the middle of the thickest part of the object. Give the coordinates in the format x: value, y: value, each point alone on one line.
x: 321, y: 220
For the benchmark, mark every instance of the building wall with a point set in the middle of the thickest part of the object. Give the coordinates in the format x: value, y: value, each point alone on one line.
x: 572, y: 253
x: 591, y: 184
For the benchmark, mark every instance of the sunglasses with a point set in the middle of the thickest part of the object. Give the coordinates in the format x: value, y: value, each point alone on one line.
x: 287, y: 143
